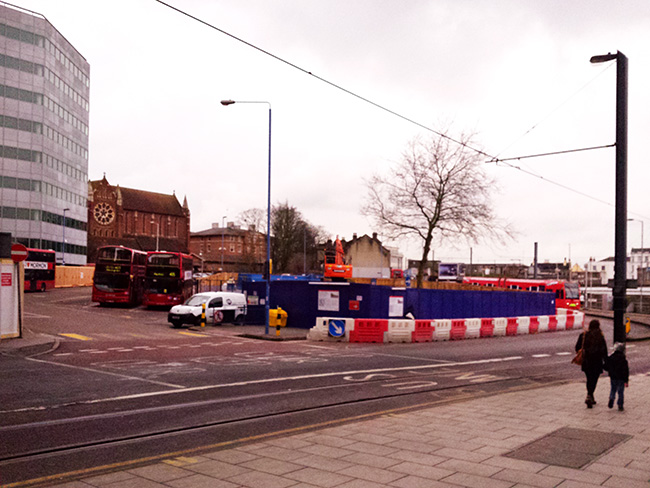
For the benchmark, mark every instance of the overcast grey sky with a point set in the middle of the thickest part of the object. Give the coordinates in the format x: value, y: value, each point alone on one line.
x: 498, y: 68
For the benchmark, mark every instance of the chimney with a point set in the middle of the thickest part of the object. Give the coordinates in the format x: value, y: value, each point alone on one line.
x: 374, y: 236
x: 354, y: 236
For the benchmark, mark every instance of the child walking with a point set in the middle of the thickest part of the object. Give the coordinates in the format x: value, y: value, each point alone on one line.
x: 619, y: 374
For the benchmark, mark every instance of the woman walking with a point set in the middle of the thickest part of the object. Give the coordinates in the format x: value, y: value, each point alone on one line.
x: 593, y: 357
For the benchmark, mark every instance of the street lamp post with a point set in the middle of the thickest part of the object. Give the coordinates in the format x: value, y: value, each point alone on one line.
x: 63, y: 254
x: 642, y: 266
x: 225, y: 103
x: 620, y: 231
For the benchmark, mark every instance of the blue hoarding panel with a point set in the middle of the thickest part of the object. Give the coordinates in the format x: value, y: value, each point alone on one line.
x: 305, y: 301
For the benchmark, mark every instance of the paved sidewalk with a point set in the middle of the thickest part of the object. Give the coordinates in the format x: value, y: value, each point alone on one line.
x: 459, y: 444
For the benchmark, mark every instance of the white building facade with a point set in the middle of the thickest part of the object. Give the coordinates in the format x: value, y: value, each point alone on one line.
x: 44, y: 95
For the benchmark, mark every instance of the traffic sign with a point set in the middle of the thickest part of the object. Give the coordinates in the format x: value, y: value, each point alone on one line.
x: 18, y: 253
x: 336, y: 327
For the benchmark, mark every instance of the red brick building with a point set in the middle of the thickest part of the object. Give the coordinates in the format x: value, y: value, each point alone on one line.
x: 229, y: 249
x: 135, y: 218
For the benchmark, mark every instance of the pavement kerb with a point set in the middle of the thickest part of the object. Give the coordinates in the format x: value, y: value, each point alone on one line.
x: 30, y: 345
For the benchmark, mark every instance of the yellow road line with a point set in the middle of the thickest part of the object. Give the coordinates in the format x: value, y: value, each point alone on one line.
x: 194, y: 335
x: 77, y: 336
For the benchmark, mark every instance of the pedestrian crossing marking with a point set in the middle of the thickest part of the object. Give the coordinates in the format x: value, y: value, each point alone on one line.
x: 77, y: 336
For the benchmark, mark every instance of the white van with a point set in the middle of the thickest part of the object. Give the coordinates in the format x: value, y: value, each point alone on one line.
x: 221, y: 307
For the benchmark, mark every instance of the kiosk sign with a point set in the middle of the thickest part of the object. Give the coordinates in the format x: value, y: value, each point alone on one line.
x: 18, y: 253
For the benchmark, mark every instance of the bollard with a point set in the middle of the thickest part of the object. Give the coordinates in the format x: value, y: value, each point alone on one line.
x: 277, y: 331
x: 203, y: 315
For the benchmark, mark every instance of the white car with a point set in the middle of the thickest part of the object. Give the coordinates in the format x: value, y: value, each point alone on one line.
x: 220, y: 307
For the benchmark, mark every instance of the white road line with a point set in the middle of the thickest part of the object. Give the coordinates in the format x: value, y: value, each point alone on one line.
x: 63, y: 365
x: 300, y: 377
x: 541, y: 355
x: 564, y: 353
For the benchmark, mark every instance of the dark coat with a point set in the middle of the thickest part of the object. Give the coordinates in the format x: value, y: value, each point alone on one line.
x: 617, y: 366
x: 595, y: 351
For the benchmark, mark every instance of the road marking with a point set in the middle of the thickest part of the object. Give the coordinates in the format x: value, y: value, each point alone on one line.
x: 63, y: 365
x: 564, y: 353
x: 541, y: 355
x: 181, y: 389
x: 30, y: 315
x: 410, y: 385
x: 192, y: 334
x: 77, y: 336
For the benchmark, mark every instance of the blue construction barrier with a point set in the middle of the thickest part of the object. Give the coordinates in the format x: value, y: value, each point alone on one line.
x: 306, y: 300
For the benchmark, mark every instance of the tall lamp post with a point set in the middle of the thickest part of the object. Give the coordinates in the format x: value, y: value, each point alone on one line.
x: 620, y: 242
x: 642, y: 265
x: 225, y: 103
x: 63, y: 256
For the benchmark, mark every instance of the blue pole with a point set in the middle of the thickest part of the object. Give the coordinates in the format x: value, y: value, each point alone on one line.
x: 268, y: 237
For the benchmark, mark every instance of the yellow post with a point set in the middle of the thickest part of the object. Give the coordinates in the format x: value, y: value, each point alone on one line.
x: 203, y: 315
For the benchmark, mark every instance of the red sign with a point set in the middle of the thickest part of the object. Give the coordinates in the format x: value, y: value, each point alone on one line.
x: 5, y: 279
x: 18, y: 253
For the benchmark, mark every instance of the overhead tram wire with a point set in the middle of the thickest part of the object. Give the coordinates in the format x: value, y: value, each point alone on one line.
x: 334, y: 85
x: 548, y: 115
x: 493, y: 159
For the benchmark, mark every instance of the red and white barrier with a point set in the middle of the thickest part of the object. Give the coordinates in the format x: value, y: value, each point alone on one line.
x: 405, y: 330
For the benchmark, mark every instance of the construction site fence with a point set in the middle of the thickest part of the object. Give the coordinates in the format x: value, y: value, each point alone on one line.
x: 71, y: 276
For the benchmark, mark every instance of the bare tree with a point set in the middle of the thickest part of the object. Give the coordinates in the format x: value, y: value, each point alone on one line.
x: 254, y: 218
x: 438, y: 190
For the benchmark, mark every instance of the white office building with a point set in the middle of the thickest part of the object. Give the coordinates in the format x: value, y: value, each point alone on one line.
x: 44, y: 93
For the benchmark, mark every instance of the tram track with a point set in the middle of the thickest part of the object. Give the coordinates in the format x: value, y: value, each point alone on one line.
x: 233, y: 430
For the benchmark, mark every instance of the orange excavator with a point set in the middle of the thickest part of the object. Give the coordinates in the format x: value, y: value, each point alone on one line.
x: 335, y: 268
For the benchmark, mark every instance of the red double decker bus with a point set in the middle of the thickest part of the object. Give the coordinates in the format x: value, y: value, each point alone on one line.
x: 40, y: 269
x: 567, y: 293
x: 119, y: 275
x: 168, y: 278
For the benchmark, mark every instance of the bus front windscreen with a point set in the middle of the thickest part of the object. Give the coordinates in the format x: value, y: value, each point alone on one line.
x: 111, y: 282
x: 571, y: 291
x: 165, y: 286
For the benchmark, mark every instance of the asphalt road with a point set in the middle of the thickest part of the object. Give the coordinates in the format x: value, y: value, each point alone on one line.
x: 123, y: 385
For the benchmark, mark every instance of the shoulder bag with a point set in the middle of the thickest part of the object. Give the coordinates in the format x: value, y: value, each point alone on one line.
x: 579, y: 355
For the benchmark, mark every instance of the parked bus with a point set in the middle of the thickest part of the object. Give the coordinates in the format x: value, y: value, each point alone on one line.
x: 567, y: 293
x: 168, y: 278
x: 40, y: 267
x: 119, y: 275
